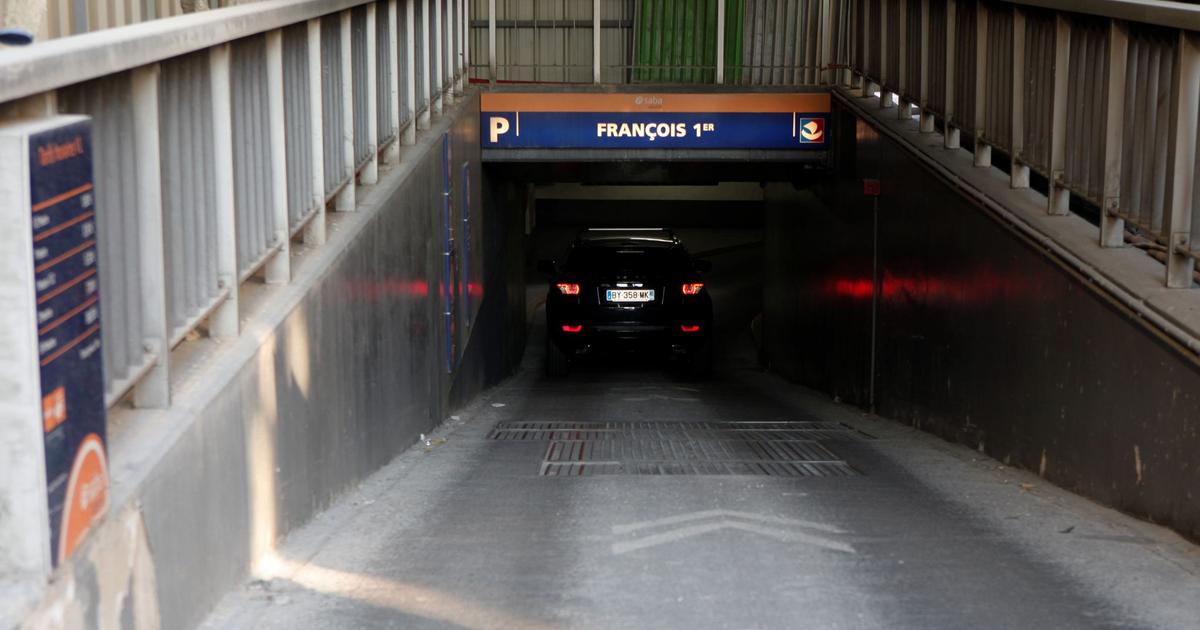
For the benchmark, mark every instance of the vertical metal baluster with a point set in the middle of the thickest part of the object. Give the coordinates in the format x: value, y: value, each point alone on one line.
x: 720, y: 42
x: 951, y: 130
x: 1181, y: 160
x: 927, y: 118
x: 314, y: 230
x: 153, y: 390
x: 983, y: 148
x: 1112, y: 226
x: 492, y: 40
x: 410, y: 80
x: 224, y: 320
x: 438, y: 87
x: 346, y: 197
x: 279, y: 268
x: 426, y: 83
x: 392, y: 155
x: 904, y: 111
x: 1019, y: 171
x: 370, y: 171
x: 1059, y: 197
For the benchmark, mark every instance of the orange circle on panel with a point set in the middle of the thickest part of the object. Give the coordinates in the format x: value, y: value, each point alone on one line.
x: 87, y: 495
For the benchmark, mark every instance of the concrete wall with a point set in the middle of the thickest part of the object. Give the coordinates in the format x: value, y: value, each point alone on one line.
x: 982, y: 338
x: 338, y: 373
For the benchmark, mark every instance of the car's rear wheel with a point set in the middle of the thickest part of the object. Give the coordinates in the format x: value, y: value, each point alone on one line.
x: 700, y: 361
x: 558, y: 364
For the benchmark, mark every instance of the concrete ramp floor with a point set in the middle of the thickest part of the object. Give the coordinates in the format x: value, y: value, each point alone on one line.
x: 628, y: 498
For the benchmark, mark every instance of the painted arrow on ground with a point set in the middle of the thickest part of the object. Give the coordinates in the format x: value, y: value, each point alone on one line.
x: 685, y: 526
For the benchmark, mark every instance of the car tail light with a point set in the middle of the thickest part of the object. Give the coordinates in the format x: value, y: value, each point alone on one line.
x: 572, y: 329
x: 568, y: 288
x: 686, y: 328
x: 692, y: 288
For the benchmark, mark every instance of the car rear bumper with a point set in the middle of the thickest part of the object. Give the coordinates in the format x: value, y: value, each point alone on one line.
x: 578, y: 331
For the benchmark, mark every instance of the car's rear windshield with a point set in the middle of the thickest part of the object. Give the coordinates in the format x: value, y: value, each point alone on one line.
x: 631, y: 258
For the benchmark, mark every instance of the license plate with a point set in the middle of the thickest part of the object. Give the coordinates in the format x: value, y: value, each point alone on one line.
x: 630, y: 295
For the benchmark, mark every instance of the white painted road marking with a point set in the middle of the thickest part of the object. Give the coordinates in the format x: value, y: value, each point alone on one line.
x: 726, y: 519
x: 696, y: 516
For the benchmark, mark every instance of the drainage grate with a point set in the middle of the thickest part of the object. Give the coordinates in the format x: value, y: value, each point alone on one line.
x: 758, y: 430
x: 782, y: 449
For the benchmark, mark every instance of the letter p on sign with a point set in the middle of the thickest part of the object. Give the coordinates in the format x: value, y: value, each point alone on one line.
x: 497, y: 126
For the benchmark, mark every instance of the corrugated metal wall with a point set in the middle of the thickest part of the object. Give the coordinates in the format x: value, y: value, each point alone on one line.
x: 109, y: 104
x: 936, y: 99
x: 188, y: 189
x: 336, y: 169
x: 1040, y: 29
x: 1084, y: 172
x: 302, y: 199
x: 911, y: 84
x: 1147, y: 108
x: 965, y: 75
x: 358, y: 48
x: 252, y: 195
x: 997, y: 123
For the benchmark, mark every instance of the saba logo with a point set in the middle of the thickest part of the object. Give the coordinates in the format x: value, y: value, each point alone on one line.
x: 812, y: 130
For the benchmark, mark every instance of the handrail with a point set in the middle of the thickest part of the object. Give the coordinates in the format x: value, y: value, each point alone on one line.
x: 1158, y: 12
x: 66, y: 61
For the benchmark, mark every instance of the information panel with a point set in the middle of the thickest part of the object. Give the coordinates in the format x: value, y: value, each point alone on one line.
x: 523, y: 120
x: 67, y: 296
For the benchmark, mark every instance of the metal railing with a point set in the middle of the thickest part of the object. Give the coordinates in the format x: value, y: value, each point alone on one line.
x: 1102, y: 101
x: 736, y: 42
x: 219, y: 137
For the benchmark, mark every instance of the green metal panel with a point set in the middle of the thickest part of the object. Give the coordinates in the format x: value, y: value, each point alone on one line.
x: 677, y: 40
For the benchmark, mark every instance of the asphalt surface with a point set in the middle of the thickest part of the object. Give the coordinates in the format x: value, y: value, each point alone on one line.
x: 887, y: 527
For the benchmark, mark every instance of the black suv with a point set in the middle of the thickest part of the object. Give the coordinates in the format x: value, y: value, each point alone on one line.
x: 627, y: 289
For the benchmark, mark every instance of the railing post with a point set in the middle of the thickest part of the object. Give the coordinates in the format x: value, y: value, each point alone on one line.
x: 346, y: 200
x: 447, y: 57
x: 983, y: 148
x: 885, y: 95
x: 1019, y: 171
x: 596, y: 42
x: 927, y: 119
x: 904, y: 111
x: 392, y: 155
x: 224, y: 320
x: 426, y: 68
x: 436, y: 51
x: 1112, y: 226
x: 279, y: 269
x: 464, y: 36
x: 1181, y: 160
x: 153, y: 390
x: 314, y: 230
x: 866, y: 60
x: 370, y: 171
x: 410, y: 79
x: 951, y: 130
x: 720, y: 42
x: 492, y: 40
x: 1059, y: 198
x: 827, y: 75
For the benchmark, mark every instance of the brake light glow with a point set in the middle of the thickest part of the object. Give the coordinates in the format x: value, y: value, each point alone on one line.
x: 686, y: 328
x: 568, y: 288
x: 572, y: 329
x: 692, y: 288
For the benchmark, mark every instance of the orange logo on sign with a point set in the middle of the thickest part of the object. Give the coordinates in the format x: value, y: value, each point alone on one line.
x: 54, y: 409
x: 87, y: 495
x: 812, y: 130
